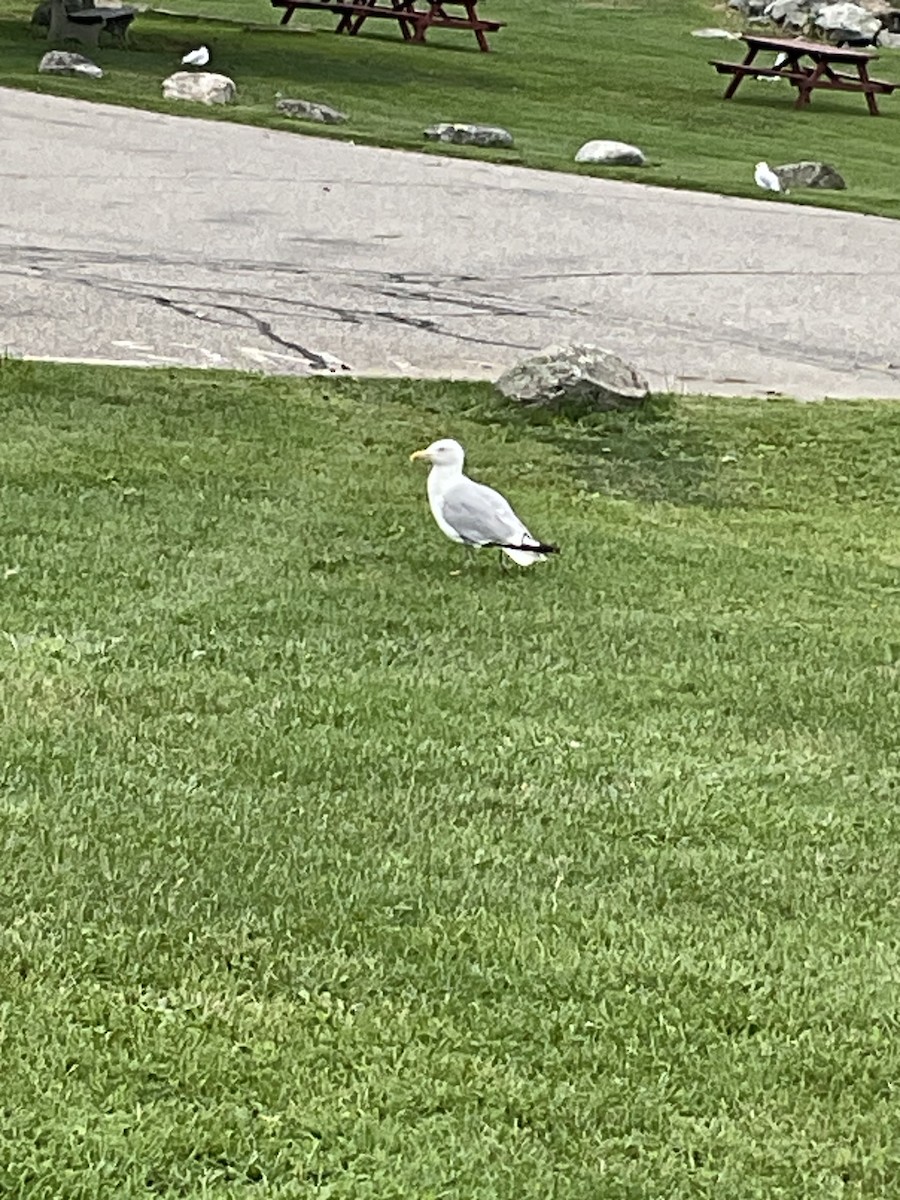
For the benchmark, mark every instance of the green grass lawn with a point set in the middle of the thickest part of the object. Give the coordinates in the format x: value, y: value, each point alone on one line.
x: 329, y: 871
x: 562, y: 72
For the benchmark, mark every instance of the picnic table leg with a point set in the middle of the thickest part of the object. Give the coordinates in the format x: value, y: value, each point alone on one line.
x: 421, y: 20
x: 805, y: 89
x: 870, y: 96
x: 286, y: 16
x: 473, y: 17
x: 404, y: 6
x: 738, y: 76
x: 353, y: 24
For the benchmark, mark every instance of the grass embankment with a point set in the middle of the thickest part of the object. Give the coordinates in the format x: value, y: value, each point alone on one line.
x: 562, y: 73
x: 327, y: 871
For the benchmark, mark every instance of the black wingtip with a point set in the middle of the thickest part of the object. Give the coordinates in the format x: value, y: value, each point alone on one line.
x: 531, y: 547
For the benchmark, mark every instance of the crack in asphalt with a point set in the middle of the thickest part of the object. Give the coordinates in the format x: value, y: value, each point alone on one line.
x: 209, y: 303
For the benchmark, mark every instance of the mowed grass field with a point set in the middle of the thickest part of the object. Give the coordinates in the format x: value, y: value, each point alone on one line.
x: 330, y: 871
x: 560, y: 73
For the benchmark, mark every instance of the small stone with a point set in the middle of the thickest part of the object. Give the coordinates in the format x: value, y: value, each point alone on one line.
x: 65, y: 62
x: 612, y: 154
x: 469, y: 135
x: 576, y: 376
x: 890, y: 41
x: 309, y: 110
x: 204, y: 87
x: 809, y: 175
x: 716, y: 33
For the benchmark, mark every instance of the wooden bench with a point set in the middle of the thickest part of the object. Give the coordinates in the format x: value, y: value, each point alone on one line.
x: 414, y: 22
x: 806, y: 65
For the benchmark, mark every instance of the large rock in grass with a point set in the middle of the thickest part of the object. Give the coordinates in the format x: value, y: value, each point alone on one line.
x: 611, y: 154
x: 809, y: 175
x: 469, y: 135
x: 65, y: 62
x: 578, y: 377
x: 847, y: 22
x: 793, y: 14
x: 749, y: 8
x: 309, y: 110
x: 203, y: 87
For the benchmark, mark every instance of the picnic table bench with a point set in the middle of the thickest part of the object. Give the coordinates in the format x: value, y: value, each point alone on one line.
x: 806, y: 65
x: 413, y: 18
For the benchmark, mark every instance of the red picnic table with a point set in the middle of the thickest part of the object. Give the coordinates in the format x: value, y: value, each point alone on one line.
x: 807, y: 65
x: 415, y: 17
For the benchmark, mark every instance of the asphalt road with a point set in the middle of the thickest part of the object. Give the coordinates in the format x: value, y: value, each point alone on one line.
x: 134, y: 237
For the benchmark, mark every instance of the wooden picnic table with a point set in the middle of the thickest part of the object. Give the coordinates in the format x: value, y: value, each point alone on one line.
x: 414, y: 17
x: 806, y: 65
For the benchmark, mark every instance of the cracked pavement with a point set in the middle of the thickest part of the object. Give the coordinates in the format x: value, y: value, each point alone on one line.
x: 135, y: 237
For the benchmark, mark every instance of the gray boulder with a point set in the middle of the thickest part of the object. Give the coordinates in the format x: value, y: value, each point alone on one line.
x: 809, y: 175
x: 203, y: 87
x: 469, y: 135
x: 749, y: 8
x: 64, y: 62
x: 846, y: 21
x: 585, y: 377
x: 611, y: 154
x: 795, y: 14
x: 309, y: 110
x: 890, y: 41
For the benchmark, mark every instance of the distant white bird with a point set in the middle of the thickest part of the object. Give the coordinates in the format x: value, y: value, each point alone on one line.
x: 196, y: 58
x: 780, y: 60
x: 766, y: 178
x: 471, y: 513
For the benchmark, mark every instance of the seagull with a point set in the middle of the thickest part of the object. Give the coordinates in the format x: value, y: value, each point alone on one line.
x: 197, y: 58
x: 766, y: 178
x: 780, y: 60
x: 470, y: 513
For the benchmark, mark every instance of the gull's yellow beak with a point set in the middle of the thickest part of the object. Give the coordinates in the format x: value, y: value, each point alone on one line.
x: 418, y: 454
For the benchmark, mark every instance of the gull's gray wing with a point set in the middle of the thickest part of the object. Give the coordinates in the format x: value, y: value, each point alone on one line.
x: 482, y: 516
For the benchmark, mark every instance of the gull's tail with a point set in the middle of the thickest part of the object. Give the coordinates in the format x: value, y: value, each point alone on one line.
x: 528, y: 552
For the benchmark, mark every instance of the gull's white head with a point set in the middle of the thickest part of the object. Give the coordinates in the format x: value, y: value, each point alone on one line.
x: 443, y: 453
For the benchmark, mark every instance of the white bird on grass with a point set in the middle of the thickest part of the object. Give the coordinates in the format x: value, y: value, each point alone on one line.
x: 766, y: 178
x: 475, y: 515
x: 197, y: 58
x: 779, y: 62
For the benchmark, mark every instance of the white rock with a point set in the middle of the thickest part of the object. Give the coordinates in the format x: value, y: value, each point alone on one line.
x: 469, y: 135
x: 716, y: 33
x: 890, y: 41
x: 618, y: 154
x: 204, y: 87
x: 64, y: 62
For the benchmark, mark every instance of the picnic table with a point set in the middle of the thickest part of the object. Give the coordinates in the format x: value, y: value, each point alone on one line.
x: 414, y: 17
x: 806, y: 65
